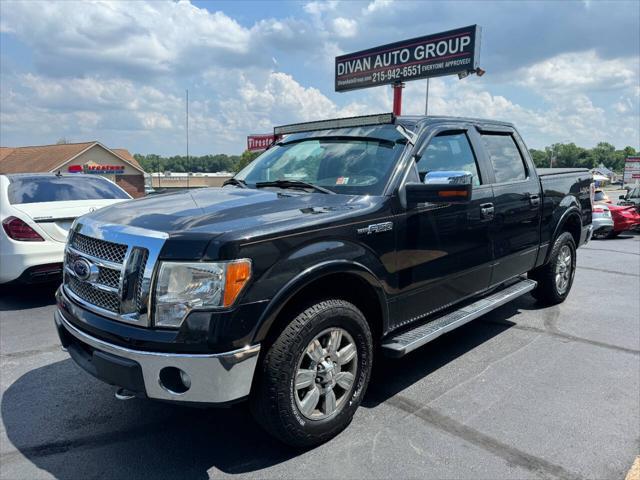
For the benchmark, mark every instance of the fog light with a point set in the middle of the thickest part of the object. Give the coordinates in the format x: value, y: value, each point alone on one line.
x: 174, y: 380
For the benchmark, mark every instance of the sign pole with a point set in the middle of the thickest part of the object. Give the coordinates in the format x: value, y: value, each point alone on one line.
x: 397, y: 98
x: 426, y: 101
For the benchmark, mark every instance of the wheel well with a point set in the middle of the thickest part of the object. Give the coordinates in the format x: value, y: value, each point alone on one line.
x: 345, y: 286
x: 573, y: 225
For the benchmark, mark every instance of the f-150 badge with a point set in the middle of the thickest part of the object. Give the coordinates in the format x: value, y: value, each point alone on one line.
x: 376, y: 228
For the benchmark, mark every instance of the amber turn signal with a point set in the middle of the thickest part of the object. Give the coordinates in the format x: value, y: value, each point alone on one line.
x: 237, y: 275
x: 452, y: 193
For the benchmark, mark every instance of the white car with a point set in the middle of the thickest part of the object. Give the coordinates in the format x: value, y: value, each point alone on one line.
x: 36, y: 212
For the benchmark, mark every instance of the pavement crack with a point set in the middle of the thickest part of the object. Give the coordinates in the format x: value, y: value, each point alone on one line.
x: 557, y: 333
x: 604, y: 270
x: 610, y: 250
x: 79, y: 443
x: 29, y: 353
x: 510, y: 454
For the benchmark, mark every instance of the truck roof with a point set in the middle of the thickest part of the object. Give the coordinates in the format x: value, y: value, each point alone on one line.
x: 411, y: 121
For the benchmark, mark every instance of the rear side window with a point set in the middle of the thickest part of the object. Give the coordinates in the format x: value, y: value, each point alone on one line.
x: 60, y: 189
x: 449, y: 151
x: 507, y: 162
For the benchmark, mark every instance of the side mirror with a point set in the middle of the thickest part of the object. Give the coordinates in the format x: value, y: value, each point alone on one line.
x: 440, y: 187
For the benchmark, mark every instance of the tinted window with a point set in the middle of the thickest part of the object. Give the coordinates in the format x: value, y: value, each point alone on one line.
x: 350, y: 166
x: 505, y: 157
x: 59, y: 189
x: 449, y: 151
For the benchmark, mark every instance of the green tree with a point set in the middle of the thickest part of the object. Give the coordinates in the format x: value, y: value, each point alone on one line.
x: 246, y: 158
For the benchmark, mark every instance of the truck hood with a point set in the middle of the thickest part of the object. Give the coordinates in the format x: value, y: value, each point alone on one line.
x: 248, y: 212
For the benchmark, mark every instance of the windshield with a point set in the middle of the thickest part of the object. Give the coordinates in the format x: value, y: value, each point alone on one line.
x: 353, y: 166
x: 60, y: 189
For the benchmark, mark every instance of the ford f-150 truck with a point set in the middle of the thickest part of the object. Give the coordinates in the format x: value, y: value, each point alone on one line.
x: 347, y: 239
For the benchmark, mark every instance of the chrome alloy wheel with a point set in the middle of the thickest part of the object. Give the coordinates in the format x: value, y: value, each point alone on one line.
x: 326, y: 374
x: 564, y: 269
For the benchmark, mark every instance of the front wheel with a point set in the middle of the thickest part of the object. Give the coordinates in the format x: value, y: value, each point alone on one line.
x: 313, y: 377
x: 555, y: 278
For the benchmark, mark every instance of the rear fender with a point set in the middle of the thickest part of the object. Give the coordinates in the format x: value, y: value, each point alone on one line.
x: 571, y: 211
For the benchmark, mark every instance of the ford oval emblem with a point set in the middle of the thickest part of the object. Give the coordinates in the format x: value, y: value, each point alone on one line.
x: 82, y: 268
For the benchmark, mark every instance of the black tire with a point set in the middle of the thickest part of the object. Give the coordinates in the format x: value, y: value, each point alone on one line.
x: 613, y: 234
x: 548, y: 291
x: 273, y: 399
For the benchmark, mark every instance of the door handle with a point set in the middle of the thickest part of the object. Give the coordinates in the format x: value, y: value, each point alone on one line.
x: 534, y: 200
x: 487, y: 211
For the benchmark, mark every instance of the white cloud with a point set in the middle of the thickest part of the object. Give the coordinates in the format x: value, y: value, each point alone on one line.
x: 118, y: 70
x: 73, y: 37
x: 317, y: 8
x: 345, y: 27
x: 377, y: 6
x: 580, y: 71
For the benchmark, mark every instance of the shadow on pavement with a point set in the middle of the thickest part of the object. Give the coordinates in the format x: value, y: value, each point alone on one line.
x: 391, y: 376
x: 23, y: 297
x: 70, y: 425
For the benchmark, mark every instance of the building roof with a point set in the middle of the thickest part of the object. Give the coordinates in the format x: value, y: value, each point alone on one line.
x: 46, y: 158
x: 124, y: 153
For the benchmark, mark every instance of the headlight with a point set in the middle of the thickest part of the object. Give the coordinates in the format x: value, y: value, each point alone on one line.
x: 182, y: 287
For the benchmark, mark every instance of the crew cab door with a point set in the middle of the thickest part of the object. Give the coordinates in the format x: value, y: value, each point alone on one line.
x: 444, y: 250
x: 515, y: 234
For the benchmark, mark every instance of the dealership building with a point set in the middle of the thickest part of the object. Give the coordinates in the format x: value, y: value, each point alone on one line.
x: 90, y: 158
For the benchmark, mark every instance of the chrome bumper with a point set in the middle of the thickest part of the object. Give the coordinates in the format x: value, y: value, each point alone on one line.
x: 215, y: 378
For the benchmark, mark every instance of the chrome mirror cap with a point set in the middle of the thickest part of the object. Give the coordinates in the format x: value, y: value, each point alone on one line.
x: 449, y: 177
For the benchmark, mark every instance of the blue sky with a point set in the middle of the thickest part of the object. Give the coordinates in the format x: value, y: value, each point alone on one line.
x: 117, y: 71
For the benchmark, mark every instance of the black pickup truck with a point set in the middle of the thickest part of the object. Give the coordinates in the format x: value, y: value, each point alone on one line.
x: 347, y: 239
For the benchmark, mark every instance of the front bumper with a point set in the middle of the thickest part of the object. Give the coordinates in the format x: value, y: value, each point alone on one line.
x: 214, y: 378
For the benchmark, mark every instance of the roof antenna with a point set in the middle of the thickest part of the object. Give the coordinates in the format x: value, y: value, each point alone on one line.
x: 58, y: 174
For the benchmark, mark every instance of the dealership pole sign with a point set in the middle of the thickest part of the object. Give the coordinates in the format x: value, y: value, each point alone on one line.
x: 453, y: 52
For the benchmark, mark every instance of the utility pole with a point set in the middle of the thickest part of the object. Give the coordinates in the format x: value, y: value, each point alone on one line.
x: 188, y: 162
x: 426, y: 100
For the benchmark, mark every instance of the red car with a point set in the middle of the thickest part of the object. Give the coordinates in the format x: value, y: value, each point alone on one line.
x: 624, y: 218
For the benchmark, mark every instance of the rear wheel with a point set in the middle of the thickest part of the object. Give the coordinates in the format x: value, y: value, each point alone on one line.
x: 555, y: 278
x: 313, y: 377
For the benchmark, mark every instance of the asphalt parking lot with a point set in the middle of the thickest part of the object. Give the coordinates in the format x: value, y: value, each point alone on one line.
x: 524, y: 392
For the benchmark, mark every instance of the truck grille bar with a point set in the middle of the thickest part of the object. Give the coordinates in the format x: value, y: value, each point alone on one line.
x: 111, y: 278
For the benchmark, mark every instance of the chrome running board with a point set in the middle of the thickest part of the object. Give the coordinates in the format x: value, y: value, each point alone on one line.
x: 407, y: 341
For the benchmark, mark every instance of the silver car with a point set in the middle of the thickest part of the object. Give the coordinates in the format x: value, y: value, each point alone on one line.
x: 601, y: 220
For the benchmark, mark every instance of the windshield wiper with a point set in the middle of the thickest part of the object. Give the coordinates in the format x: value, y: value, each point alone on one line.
x: 236, y: 182
x: 293, y: 184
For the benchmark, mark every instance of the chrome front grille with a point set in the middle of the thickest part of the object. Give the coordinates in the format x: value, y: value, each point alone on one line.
x: 111, y: 278
x: 110, y: 251
x: 88, y: 293
x: 139, y: 295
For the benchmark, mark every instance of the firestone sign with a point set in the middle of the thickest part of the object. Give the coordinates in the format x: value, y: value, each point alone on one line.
x: 446, y: 53
x: 257, y: 143
x: 96, y: 168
